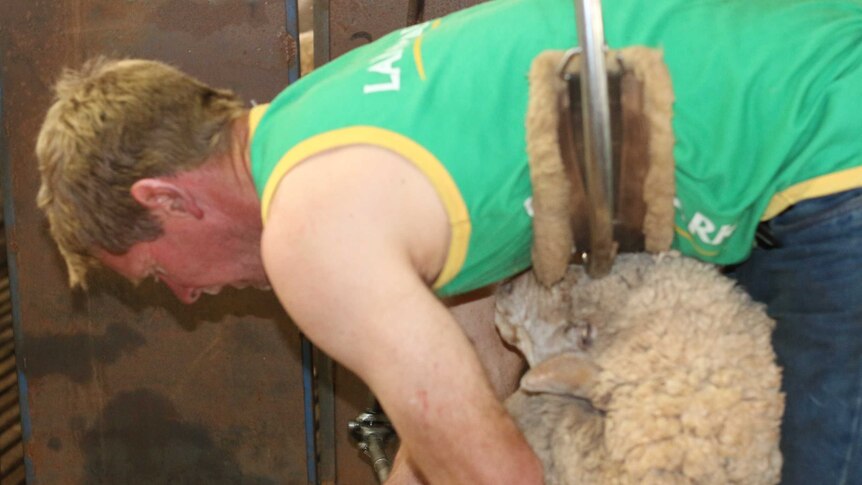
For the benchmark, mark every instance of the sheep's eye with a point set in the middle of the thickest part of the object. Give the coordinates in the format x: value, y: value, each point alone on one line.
x: 586, y: 336
x: 580, y: 334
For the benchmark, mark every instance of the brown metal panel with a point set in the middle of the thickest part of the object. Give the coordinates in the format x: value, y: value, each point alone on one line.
x: 127, y: 385
x: 438, y: 8
x: 357, y: 22
x: 353, y: 23
x: 11, y: 439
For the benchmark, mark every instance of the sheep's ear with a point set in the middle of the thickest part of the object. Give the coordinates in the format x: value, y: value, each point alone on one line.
x: 567, y: 374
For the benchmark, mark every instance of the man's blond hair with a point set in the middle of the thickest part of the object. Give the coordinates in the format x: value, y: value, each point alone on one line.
x: 112, y: 123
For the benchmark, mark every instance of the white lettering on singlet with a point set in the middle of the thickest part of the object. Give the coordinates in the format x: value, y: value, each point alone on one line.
x: 385, y: 66
x: 705, y: 230
x: 385, y: 63
x: 702, y: 227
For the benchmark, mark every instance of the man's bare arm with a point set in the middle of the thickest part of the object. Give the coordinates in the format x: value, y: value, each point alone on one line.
x: 503, y: 365
x: 349, y: 246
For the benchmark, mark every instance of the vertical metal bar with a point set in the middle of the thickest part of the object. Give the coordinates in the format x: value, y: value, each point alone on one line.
x: 598, y: 162
x: 325, y: 386
x: 415, y: 11
x: 308, y: 394
x: 326, y: 466
x: 12, y: 267
x: 292, y: 28
x: 291, y: 9
x: 322, y: 41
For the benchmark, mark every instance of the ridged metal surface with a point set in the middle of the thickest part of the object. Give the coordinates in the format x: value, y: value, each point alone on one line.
x: 12, y: 469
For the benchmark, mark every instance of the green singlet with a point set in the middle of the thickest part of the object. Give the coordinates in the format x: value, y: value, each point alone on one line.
x: 768, y: 112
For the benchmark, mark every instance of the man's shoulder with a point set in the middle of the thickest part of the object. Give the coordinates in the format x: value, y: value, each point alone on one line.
x: 355, y: 199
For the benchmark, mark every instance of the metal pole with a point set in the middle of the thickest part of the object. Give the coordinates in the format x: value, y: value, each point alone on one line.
x: 291, y: 10
x: 321, y: 32
x: 291, y: 26
x: 326, y: 462
x: 598, y: 163
x: 308, y: 405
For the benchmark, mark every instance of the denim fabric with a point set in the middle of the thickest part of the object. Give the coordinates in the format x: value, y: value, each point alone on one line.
x: 811, y: 281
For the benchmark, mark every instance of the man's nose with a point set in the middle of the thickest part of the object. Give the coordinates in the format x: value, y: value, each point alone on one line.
x: 184, y: 294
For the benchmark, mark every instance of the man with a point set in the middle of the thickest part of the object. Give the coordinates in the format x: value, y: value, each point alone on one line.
x: 399, y: 171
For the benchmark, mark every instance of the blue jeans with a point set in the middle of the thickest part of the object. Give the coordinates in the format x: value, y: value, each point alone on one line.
x: 811, y: 282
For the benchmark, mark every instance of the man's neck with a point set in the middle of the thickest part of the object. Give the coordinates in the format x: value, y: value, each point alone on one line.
x: 240, y: 152
x: 231, y: 181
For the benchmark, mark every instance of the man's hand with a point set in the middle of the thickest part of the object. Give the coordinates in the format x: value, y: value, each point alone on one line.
x: 353, y: 239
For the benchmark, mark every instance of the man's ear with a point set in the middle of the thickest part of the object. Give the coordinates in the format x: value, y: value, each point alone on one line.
x: 166, y: 198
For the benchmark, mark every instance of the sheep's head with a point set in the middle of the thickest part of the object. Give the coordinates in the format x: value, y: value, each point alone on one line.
x: 561, y: 329
x: 572, y: 314
x: 536, y: 320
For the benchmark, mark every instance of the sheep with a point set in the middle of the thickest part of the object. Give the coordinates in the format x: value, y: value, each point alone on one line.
x: 661, y: 372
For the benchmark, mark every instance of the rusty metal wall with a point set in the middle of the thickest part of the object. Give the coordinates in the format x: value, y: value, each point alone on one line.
x: 124, y: 385
x: 12, y: 466
x: 436, y: 8
x: 357, y: 22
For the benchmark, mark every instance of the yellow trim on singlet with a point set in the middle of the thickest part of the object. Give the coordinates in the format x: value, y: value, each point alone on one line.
x: 417, y: 55
x: 254, y: 116
x: 685, y: 234
x: 417, y: 52
x: 828, y: 184
x: 425, y: 161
